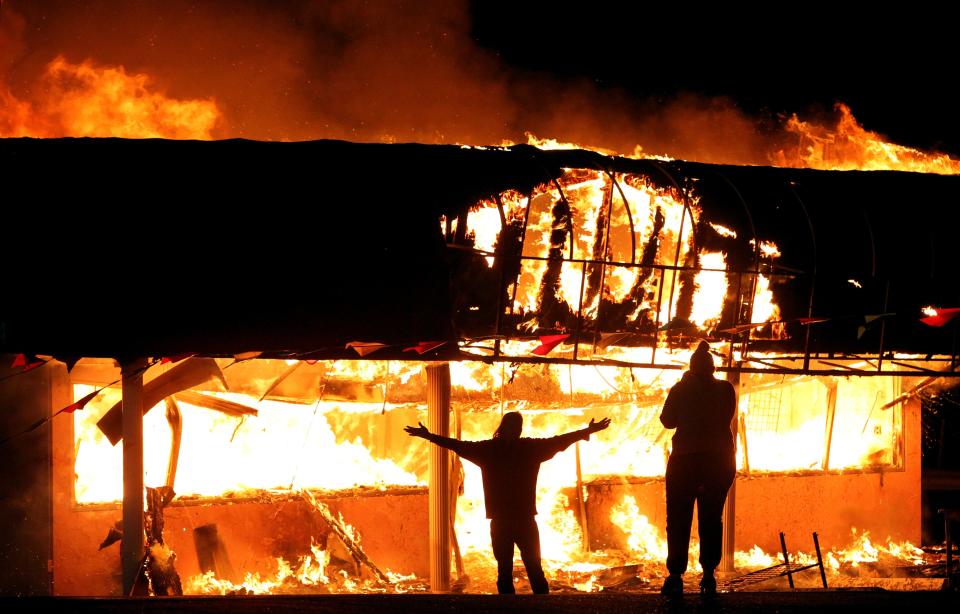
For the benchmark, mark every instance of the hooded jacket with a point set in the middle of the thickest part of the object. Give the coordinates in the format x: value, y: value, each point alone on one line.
x: 701, y: 408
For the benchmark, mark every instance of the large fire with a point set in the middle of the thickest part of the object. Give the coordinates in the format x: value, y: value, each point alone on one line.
x: 103, y: 101
x: 89, y: 99
x: 849, y: 146
x: 303, y: 437
x: 783, y: 423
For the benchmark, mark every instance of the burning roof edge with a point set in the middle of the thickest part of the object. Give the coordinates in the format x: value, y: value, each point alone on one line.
x: 154, y: 247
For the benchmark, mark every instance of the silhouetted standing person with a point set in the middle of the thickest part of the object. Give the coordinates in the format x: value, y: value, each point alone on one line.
x: 701, y: 468
x: 510, y: 465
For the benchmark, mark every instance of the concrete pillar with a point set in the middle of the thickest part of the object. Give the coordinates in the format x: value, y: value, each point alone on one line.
x: 131, y: 548
x: 438, y: 421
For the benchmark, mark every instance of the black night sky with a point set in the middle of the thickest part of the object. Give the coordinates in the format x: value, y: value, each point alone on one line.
x: 895, y: 68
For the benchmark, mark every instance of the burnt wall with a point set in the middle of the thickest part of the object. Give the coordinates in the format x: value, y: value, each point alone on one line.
x: 25, y: 486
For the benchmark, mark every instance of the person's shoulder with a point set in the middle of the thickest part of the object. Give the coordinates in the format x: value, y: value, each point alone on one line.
x: 725, y: 388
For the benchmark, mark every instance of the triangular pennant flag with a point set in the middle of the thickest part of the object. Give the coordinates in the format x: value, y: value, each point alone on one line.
x: 548, y: 342
x: 247, y: 355
x: 424, y: 346
x: 739, y: 328
x: 77, y: 405
x: 608, y: 339
x: 941, y: 316
x: 869, y: 321
x: 312, y: 361
x: 808, y: 321
x: 176, y: 358
x: 20, y: 360
x: 365, y: 347
x: 873, y: 318
x: 32, y: 362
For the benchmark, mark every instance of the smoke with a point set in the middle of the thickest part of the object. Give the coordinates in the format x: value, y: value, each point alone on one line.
x: 363, y: 71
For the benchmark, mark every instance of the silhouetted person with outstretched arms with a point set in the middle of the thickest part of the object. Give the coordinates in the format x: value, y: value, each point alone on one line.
x: 701, y: 467
x: 510, y: 465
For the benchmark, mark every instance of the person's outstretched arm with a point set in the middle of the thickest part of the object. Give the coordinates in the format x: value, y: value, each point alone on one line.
x: 465, y: 449
x: 562, y: 442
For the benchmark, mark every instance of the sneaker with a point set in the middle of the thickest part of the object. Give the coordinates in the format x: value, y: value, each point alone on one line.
x: 708, y: 584
x: 673, y: 585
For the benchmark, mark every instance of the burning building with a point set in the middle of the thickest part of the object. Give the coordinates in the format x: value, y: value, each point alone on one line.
x: 279, y: 311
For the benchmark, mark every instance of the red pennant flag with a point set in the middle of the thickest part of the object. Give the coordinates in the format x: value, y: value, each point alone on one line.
x: 33, y: 365
x: 27, y: 361
x: 939, y: 317
x: 548, y: 342
x: 424, y: 346
x: 365, y: 347
x: 77, y: 405
x: 176, y: 358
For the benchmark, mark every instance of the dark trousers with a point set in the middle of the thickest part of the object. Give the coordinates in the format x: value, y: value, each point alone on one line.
x: 703, y: 478
x: 504, y: 533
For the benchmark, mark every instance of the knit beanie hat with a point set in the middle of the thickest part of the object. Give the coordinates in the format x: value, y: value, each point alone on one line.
x: 701, y: 362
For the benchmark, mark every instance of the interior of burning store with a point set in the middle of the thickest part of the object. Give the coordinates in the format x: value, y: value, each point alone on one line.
x: 278, y: 312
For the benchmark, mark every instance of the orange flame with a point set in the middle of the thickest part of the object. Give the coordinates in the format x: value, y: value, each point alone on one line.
x: 849, y: 146
x: 88, y: 100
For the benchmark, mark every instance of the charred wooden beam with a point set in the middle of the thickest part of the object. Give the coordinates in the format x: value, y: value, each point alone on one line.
x: 212, y: 553
x: 648, y: 258
x: 159, y: 564
x: 187, y: 374
x: 688, y: 287
x: 175, y: 420
x: 344, y: 535
x: 601, y: 250
x: 230, y: 408
x: 550, y: 309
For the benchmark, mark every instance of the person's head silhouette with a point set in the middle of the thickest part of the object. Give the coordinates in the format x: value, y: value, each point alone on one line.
x: 510, y: 426
x: 701, y: 363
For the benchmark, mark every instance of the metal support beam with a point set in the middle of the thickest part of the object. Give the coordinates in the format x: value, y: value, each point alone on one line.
x: 131, y: 548
x: 438, y: 421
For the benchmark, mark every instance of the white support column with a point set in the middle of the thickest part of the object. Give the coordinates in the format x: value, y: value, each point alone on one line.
x: 438, y: 421
x: 131, y: 548
x: 730, y: 507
